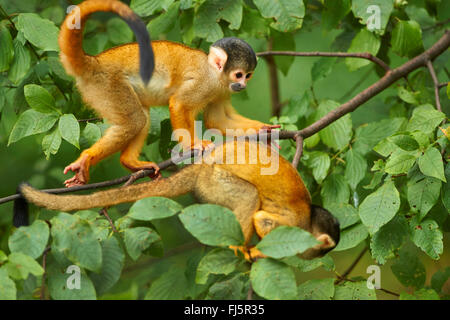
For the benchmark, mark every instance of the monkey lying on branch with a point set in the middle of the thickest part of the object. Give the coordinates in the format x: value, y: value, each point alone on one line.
x: 262, y: 189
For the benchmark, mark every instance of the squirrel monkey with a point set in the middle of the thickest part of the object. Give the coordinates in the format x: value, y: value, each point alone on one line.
x: 260, y: 202
x: 123, y: 82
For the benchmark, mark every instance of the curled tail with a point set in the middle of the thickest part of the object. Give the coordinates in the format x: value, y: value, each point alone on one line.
x: 180, y: 183
x: 73, y: 57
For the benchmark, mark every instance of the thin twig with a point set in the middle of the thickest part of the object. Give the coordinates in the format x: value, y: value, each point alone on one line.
x: 250, y: 292
x: 104, y: 213
x: 351, y: 267
x: 90, y: 119
x: 436, y: 84
x: 298, y: 150
x: 442, y: 85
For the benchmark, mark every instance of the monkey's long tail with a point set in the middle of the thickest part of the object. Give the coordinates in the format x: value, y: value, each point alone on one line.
x: 75, y: 60
x: 179, y: 183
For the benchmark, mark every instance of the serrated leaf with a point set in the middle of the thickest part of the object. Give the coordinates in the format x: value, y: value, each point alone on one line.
x: 409, y: 270
x: 406, y: 40
x: 40, y: 32
x: 421, y: 294
x: 405, y: 142
x: 212, y: 225
x: 335, y: 190
x: 338, y: 134
x: 319, y: 162
x: 364, y: 41
x: 118, y: 31
x: 273, y: 280
x: 286, y: 241
x: 355, y: 168
x: 164, y: 22
x: 423, y: 193
x: 373, y: 13
x: 380, y: 207
x: 91, y: 133
x: 139, y: 239
x: 386, y: 241
x: 425, y: 118
x: 69, y: 129
x: 431, y: 164
x: 308, y: 265
x: 31, y: 122
x: 440, y: 278
x: 113, y: 259
x: 154, y: 208
x: 407, y: 96
x: 427, y: 237
x: 316, y: 289
x: 30, y: 240
x: 322, y: 68
x: 21, y: 63
x: 351, y: 237
x: 354, y: 291
x: 345, y: 213
x: 20, y: 265
x: 146, y: 8
x: 217, y: 261
x: 288, y: 14
x: 8, y: 289
x: 39, y: 98
x: 232, y: 289
x: 399, y: 162
x: 297, y: 107
x: 334, y: 12
x: 171, y: 285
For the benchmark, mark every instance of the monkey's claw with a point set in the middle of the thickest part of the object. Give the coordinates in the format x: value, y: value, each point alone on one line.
x: 81, y: 173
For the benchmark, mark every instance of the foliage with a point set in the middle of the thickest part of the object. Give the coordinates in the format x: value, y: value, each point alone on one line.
x: 387, y: 179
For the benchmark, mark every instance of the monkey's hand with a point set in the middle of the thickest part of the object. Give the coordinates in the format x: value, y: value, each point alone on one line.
x: 81, y: 169
x: 267, y: 128
x: 250, y: 254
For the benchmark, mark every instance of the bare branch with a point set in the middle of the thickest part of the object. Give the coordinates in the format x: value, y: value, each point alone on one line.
x: 298, y: 151
x: 436, y: 84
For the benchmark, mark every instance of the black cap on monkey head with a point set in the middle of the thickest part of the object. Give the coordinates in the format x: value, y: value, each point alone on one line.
x: 239, y: 52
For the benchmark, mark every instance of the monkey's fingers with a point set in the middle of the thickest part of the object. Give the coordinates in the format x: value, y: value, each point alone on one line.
x: 268, y: 129
x: 80, y: 176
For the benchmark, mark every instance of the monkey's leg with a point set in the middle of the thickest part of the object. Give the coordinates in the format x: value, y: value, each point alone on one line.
x: 182, y: 118
x: 130, y: 155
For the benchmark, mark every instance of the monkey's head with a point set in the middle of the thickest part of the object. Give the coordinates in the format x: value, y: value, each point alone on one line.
x: 235, y: 60
x: 325, y: 228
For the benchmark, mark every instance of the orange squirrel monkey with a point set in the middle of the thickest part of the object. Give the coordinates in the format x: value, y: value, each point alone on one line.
x: 121, y: 83
x: 260, y: 202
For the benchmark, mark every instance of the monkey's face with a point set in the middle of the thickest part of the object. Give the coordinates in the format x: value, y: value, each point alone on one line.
x: 238, y: 79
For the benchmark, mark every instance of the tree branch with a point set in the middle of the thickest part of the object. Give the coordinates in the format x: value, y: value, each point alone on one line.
x: 436, y: 84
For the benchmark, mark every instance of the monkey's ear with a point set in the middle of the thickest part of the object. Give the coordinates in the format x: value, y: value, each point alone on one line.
x: 217, y: 58
x: 327, y: 241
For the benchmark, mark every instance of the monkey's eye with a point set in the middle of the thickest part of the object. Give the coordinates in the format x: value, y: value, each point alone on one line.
x: 248, y: 75
x: 239, y: 75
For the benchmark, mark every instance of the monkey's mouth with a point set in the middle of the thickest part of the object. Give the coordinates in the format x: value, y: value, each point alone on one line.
x: 236, y: 87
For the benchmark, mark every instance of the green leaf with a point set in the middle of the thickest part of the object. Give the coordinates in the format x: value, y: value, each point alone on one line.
x: 334, y: 12
x: 431, y: 164
x: 283, y: 41
x: 351, y: 237
x: 316, y: 289
x: 288, y: 14
x: 76, y: 239
x: 6, y: 48
x: 440, y: 278
x: 8, y: 289
x: 286, y: 241
x: 364, y: 41
x: 217, y: 261
x: 354, y: 291
x: 335, y: 190
x: 355, y: 169
x: 235, y: 288
x: 297, y: 107
x: 51, y: 143
x: 39, y: 99
x: 113, y: 260
x: 172, y: 285
x: 91, y: 133
x: 31, y: 122
x: 364, y: 9
x: 376, y: 179
x: 405, y: 142
x: 446, y: 188
x: 322, y: 68
x: 425, y: 118
x: 20, y: 265
x: 386, y: 241
x: 139, y: 239
x: 427, y: 236
x: 212, y: 225
x: 345, y: 213
x: 154, y: 208
x: 164, y: 22
x: 118, y: 31
x: 409, y: 270
x: 319, y: 162
x: 30, y: 240
x: 408, y: 96
x: 21, y: 63
x: 421, y: 294
x: 399, y: 162
x: 380, y: 207
x: 40, y: 32
x: 69, y: 129
x: 423, y: 192
x: 273, y: 280
x: 338, y: 134
x: 406, y: 40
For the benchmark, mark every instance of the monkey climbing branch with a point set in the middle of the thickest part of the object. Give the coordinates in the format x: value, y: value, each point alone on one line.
x: 391, y: 76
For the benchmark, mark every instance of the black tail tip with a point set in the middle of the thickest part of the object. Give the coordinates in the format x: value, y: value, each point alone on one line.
x: 20, y: 209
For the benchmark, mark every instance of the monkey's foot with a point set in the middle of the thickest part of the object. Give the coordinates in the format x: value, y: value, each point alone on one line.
x: 243, y: 250
x: 202, y: 145
x: 255, y: 254
x: 81, y: 169
x: 145, y: 166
